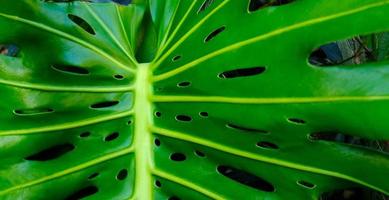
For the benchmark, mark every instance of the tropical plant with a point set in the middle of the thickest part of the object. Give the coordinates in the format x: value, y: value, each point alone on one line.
x: 179, y: 99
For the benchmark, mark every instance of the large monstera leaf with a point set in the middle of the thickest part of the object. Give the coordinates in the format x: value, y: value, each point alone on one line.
x: 228, y: 108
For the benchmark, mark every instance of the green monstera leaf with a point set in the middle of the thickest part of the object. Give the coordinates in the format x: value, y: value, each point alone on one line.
x: 179, y: 99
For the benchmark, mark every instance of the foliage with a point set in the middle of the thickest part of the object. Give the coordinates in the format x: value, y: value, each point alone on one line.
x: 179, y: 99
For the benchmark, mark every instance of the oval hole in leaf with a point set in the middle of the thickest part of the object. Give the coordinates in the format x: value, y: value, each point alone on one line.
x: 176, y: 58
x: 122, y: 174
x: 178, y: 157
x: 327, y: 136
x: 245, y: 178
x: 157, y: 142
x: 84, y: 192
x: 334, y: 136
x: 174, y: 198
x: 104, y: 104
x: 85, y: 134
x: 51, y: 153
x: 184, y: 84
x: 306, y: 184
x: 35, y: 111
x: 205, y: 5
x: 69, y: 69
x: 204, y: 114
x: 118, y: 77
x: 243, y: 72
x: 214, y: 33
x: 183, y: 118
x: 158, y: 114
x: 82, y: 23
x: 111, y: 137
x: 267, y: 145
x: 255, y: 5
x: 199, y: 153
x: 92, y: 176
x: 158, y: 183
x: 296, y: 121
x: 357, y: 50
x: 245, y: 129
x: 354, y: 193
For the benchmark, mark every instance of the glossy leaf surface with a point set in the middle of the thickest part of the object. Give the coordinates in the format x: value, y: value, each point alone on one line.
x: 228, y: 108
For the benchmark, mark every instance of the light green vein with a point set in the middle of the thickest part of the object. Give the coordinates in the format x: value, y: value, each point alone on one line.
x: 238, y: 152
x: 51, y: 88
x: 171, y: 37
x: 166, y: 36
x: 69, y: 37
x: 124, y: 32
x: 263, y: 37
x: 106, y: 29
x: 187, y: 34
x: 268, y: 100
x: 186, y: 183
x: 69, y: 170
x: 68, y: 125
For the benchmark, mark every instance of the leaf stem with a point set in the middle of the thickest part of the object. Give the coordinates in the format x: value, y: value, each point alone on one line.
x: 142, y: 136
